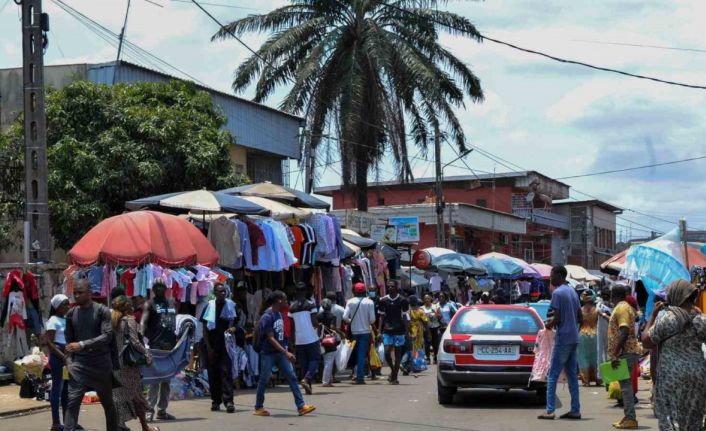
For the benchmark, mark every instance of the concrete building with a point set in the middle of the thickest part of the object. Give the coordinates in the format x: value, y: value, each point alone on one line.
x: 592, y: 232
x: 509, y: 212
x: 265, y: 138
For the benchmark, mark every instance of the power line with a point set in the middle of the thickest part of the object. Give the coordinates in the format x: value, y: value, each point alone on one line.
x: 549, y: 56
x: 221, y: 5
x: 635, y: 168
x: 638, y: 45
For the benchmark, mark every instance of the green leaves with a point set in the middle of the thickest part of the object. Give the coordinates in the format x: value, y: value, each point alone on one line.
x: 107, y: 145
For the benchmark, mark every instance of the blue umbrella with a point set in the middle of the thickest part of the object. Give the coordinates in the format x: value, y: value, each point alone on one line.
x: 459, y: 262
x: 498, y: 268
x: 198, y: 200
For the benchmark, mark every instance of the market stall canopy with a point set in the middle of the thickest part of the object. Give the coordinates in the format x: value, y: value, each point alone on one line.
x: 527, y: 270
x: 615, y: 264
x: 499, y: 268
x: 543, y: 269
x: 424, y: 258
x: 355, y: 238
x: 281, y: 193
x: 389, y: 252
x: 350, y: 248
x: 198, y: 200
x: 579, y: 273
x: 459, y: 262
x: 278, y: 210
x: 144, y: 237
x: 416, y: 280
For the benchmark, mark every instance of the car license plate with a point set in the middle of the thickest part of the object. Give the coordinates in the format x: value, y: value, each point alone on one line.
x: 497, y: 350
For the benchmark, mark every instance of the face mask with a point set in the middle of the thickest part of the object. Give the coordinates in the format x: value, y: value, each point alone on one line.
x: 372, y: 294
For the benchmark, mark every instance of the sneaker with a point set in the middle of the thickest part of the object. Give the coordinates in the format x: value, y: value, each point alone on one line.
x: 150, y: 416
x: 164, y: 416
x: 230, y: 408
x: 306, y: 410
x: 260, y: 412
x: 307, y: 386
x: 358, y: 382
x: 57, y: 427
x: 215, y: 407
x: 626, y: 424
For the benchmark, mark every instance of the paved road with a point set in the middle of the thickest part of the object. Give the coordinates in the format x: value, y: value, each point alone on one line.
x: 377, y: 406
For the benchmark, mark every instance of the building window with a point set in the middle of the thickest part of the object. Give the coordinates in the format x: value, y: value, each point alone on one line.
x: 381, y: 201
x: 482, y: 203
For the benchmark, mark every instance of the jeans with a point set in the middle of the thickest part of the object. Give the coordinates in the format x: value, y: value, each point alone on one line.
x: 329, y: 358
x: 626, y: 387
x: 563, y: 358
x: 59, y: 389
x: 309, y: 357
x: 362, y: 345
x: 267, y: 361
x: 158, y: 396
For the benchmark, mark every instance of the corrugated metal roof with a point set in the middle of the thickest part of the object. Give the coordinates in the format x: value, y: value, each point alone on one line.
x: 253, y: 125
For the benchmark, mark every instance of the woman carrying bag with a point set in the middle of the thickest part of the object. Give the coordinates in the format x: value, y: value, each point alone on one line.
x: 330, y: 337
x: 129, y: 398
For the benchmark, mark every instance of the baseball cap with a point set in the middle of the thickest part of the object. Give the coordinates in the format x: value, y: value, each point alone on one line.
x: 359, y: 288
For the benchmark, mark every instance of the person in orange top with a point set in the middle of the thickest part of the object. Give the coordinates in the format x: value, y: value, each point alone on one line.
x: 622, y: 344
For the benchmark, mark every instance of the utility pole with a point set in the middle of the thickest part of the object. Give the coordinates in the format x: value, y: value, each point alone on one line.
x: 682, y: 229
x: 120, y: 43
x: 35, y: 24
x: 440, y: 241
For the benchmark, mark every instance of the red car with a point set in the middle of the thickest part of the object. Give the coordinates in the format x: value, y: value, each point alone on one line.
x: 489, y: 346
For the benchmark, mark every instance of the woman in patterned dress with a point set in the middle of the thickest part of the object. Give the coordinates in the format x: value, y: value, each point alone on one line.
x: 588, y: 344
x: 129, y: 398
x: 680, y: 386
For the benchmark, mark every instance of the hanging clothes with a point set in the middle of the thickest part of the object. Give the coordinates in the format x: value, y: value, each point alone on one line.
x: 380, y: 269
x: 225, y: 237
x: 16, y: 316
x: 245, y: 248
x: 308, y: 245
x: 257, y: 240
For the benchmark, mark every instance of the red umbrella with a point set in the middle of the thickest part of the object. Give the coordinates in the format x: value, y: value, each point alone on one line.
x: 144, y: 237
x: 615, y: 264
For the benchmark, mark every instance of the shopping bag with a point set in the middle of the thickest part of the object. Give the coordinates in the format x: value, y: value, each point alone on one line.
x: 343, y: 354
x: 381, y: 354
x: 543, y: 357
x: 375, y: 362
x: 611, y: 374
x: 614, y: 392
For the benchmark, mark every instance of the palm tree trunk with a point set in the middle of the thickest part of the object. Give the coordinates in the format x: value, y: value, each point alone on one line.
x: 361, y: 181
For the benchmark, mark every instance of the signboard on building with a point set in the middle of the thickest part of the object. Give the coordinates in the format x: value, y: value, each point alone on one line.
x: 407, y: 228
x: 358, y: 221
x: 384, y: 233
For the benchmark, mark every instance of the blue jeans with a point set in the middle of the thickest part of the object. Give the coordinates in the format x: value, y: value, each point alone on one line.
x: 563, y: 358
x: 309, y: 357
x: 362, y: 345
x: 267, y: 361
x: 59, y: 389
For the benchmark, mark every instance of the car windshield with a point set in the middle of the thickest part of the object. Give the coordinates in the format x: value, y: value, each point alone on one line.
x: 496, y: 321
x: 541, y: 308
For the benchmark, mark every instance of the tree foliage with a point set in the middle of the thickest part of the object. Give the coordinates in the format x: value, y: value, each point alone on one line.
x: 374, y: 72
x: 107, y: 145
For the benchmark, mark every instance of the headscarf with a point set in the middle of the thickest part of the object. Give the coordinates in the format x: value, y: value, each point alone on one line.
x: 57, y: 300
x: 677, y: 294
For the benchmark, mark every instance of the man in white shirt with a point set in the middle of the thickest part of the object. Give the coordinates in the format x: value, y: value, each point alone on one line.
x: 302, y: 313
x: 360, y: 315
x: 435, y: 284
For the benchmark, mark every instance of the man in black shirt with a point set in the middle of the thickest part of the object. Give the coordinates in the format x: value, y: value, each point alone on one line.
x: 219, y: 317
x: 159, y: 326
x: 393, y: 324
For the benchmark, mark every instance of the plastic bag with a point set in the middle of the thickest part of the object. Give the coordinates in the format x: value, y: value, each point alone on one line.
x: 375, y: 362
x: 343, y: 354
x: 381, y: 354
x: 543, y: 357
x: 614, y: 391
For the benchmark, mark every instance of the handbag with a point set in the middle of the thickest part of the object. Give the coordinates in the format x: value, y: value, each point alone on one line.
x: 130, y: 356
x: 330, y: 339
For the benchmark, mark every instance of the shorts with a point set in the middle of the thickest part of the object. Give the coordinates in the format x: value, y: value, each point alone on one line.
x: 393, y: 340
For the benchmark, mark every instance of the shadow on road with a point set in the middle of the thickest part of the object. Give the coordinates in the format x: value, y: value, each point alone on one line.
x: 495, y: 399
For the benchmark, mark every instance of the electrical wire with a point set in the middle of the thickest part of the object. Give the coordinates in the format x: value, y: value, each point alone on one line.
x: 635, y: 168
x: 549, y: 56
x: 638, y: 45
x: 221, y: 5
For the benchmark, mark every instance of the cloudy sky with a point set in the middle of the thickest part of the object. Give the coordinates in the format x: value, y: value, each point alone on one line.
x: 561, y: 120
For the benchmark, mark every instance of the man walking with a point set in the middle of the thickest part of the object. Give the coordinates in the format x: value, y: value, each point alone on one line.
x: 219, y: 317
x: 567, y: 319
x: 360, y: 315
x: 393, y: 325
x: 272, y: 345
x: 302, y: 313
x: 89, y: 356
x: 159, y: 326
x: 622, y: 345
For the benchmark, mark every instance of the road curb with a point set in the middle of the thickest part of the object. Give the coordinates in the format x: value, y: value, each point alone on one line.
x: 23, y: 412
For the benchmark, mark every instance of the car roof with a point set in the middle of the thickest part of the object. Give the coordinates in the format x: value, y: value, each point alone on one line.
x: 498, y: 307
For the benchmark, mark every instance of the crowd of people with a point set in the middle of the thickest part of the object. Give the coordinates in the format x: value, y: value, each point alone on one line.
x: 591, y: 328
x: 103, y: 347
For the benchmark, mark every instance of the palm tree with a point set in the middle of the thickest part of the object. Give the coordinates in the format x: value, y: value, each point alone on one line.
x: 372, y: 69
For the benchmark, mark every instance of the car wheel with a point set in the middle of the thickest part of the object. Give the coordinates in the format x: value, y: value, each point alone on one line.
x: 445, y: 394
x: 542, y: 396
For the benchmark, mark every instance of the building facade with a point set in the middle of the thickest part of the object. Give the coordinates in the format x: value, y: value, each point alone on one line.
x: 265, y: 138
x: 510, y: 213
x: 592, y: 234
